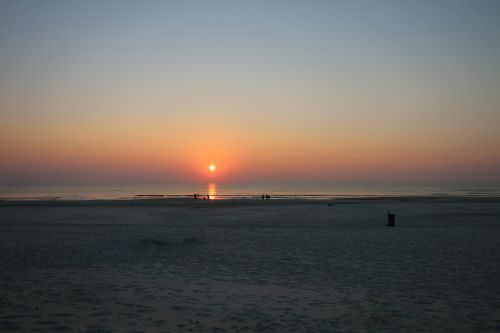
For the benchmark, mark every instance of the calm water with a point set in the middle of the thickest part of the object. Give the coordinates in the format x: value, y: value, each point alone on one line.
x: 225, y: 191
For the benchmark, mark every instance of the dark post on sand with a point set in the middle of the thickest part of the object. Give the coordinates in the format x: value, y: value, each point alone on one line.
x: 391, y: 219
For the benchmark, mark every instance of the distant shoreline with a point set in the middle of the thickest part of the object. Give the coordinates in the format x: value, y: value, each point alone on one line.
x: 231, y: 202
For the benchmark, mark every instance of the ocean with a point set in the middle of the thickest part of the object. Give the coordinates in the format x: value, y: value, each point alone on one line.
x: 246, y: 191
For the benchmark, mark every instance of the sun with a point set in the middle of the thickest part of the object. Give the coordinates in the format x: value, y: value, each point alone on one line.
x: 211, y: 168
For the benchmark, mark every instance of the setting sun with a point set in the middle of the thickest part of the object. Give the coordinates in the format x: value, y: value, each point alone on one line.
x: 211, y: 168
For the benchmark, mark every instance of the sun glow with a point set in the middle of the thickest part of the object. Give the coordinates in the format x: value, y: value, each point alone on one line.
x: 211, y: 168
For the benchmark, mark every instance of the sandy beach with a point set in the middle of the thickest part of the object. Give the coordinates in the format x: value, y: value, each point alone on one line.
x: 182, y: 265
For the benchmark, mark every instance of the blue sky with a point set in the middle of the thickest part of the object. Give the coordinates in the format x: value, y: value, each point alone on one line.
x: 342, y: 84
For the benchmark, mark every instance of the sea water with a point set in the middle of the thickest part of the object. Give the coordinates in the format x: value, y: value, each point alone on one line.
x: 246, y: 191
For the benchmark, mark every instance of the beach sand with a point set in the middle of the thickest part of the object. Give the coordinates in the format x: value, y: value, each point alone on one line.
x: 181, y: 265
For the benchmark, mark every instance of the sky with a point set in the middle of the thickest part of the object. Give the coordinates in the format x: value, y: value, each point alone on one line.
x: 285, y: 91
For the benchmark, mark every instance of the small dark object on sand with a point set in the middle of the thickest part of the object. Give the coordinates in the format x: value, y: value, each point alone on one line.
x: 391, y: 219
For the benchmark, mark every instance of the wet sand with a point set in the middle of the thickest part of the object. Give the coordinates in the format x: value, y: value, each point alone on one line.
x: 181, y: 265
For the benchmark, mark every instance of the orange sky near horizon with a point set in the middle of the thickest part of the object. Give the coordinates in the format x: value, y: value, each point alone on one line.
x: 146, y: 150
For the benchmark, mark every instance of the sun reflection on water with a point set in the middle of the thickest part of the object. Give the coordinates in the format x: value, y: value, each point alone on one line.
x: 212, y: 191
